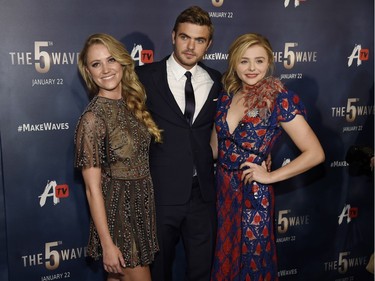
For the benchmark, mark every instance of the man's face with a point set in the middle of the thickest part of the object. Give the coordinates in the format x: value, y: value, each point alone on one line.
x: 190, y: 43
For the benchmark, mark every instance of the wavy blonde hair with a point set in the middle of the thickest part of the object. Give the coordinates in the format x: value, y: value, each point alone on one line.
x: 231, y: 81
x: 133, y: 91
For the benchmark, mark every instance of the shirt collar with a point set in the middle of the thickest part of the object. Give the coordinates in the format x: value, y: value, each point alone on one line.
x: 177, y: 70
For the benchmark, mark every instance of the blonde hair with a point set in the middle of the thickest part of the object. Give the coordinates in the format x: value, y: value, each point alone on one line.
x: 231, y: 81
x: 133, y: 91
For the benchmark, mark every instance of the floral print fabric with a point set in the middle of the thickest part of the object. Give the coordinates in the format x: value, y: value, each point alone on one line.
x: 245, y: 246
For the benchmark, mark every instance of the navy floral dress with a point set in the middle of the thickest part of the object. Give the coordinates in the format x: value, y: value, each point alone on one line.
x: 245, y: 246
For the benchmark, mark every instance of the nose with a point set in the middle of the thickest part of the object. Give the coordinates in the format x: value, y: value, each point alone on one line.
x: 251, y: 66
x: 105, y: 68
x: 191, y: 44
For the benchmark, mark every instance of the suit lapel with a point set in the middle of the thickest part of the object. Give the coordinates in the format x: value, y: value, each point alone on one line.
x: 161, y: 82
x: 159, y: 76
x: 211, y: 99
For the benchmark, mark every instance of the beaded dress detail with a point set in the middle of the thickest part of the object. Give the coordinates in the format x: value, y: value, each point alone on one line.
x: 107, y: 129
x: 245, y: 245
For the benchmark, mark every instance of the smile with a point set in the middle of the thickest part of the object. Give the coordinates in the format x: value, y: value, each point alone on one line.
x: 108, y: 77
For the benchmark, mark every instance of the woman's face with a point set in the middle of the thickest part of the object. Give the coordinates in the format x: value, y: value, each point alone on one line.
x: 253, y: 65
x: 105, y: 71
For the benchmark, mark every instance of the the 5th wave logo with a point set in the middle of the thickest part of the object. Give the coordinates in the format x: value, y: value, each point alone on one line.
x: 296, y: 3
x: 42, y: 58
x: 217, y: 3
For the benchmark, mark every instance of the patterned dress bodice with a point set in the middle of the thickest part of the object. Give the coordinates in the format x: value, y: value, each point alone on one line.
x: 254, y: 136
x: 118, y: 135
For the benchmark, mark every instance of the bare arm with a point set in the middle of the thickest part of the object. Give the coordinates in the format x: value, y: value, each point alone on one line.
x: 112, y: 257
x: 311, y: 155
x: 213, y: 143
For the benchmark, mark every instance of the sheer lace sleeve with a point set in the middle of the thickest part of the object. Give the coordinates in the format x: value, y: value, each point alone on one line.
x: 90, y: 141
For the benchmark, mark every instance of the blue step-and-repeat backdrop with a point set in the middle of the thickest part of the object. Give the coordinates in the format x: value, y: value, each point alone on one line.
x: 324, y: 51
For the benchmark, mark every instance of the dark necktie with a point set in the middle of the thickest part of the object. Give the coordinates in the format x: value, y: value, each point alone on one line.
x: 189, y: 99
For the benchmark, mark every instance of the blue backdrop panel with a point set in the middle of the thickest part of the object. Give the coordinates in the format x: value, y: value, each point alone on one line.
x: 324, y: 219
x: 3, y: 243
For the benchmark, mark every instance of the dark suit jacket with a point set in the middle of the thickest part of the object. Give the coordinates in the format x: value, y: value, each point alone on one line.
x: 172, y: 161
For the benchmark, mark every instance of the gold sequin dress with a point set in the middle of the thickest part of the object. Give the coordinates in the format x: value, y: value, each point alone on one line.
x: 107, y: 129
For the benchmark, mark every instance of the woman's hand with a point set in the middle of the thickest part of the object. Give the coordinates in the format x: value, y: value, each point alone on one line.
x: 112, y: 257
x: 256, y: 173
x: 113, y: 260
x: 269, y: 162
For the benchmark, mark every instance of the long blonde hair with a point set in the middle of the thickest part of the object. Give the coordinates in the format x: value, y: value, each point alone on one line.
x: 231, y: 81
x: 133, y: 91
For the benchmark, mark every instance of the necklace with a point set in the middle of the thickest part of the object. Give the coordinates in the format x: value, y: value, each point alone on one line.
x: 252, y: 112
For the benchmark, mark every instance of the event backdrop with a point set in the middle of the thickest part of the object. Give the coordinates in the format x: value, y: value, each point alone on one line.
x: 323, y: 51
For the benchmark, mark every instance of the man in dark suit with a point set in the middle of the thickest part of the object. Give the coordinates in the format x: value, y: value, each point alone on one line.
x: 182, y: 166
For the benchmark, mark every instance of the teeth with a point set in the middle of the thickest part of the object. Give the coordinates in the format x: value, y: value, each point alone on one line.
x: 107, y: 77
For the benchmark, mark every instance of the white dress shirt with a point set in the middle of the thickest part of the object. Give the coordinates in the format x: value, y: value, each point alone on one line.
x: 201, y: 80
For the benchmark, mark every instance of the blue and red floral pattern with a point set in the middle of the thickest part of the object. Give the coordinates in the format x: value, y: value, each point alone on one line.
x: 245, y: 246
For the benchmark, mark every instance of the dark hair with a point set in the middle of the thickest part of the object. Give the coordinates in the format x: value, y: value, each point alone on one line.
x: 195, y: 15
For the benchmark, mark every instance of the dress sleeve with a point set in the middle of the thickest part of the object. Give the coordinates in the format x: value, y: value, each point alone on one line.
x: 90, y: 141
x: 288, y: 106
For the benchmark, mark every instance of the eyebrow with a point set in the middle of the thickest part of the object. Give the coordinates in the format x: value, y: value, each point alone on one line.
x: 197, y: 38
x: 96, y: 60
x: 260, y: 57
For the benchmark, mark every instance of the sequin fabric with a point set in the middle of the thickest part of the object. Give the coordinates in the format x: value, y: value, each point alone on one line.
x: 245, y: 245
x: 126, y: 186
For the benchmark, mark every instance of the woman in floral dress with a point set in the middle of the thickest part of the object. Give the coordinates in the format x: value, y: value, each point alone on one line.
x: 252, y: 111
